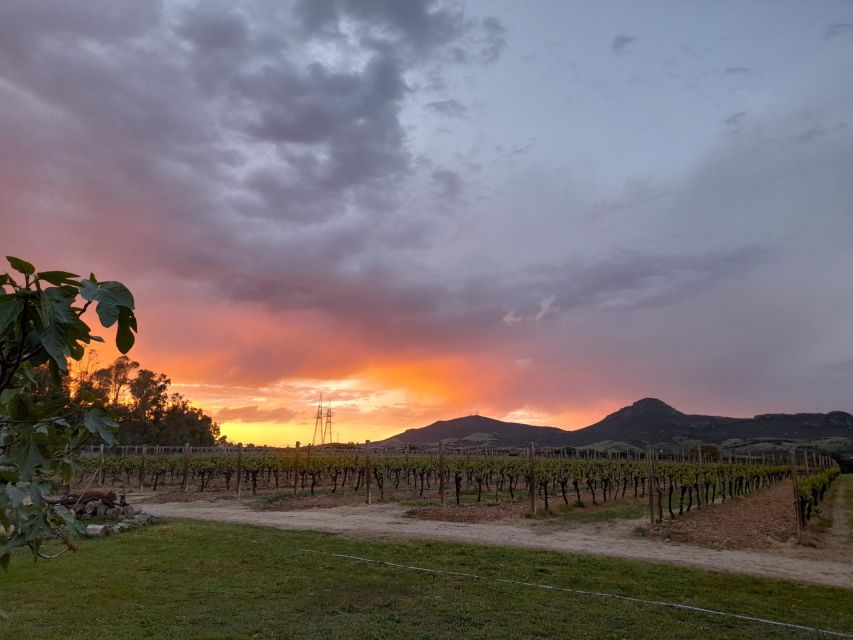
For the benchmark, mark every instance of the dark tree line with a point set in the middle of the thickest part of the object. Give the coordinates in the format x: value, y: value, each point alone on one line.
x: 145, y: 409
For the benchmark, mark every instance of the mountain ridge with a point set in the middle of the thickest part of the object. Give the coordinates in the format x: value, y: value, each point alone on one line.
x: 646, y: 421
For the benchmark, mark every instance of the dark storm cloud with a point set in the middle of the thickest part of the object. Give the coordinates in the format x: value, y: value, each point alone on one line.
x: 734, y: 122
x: 424, y: 25
x: 812, y: 133
x: 204, y: 148
x: 635, y: 193
x: 838, y: 29
x: 494, y: 40
x: 841, y: 366
x: 212, y: 27
x: 196, y: 118
x: 620, y: 42
x: 448, y: 108
x: 105, y: 22
x: 449, y: 183
x: 627, y: 282
x: 340, y: 131
x: 417, y: 28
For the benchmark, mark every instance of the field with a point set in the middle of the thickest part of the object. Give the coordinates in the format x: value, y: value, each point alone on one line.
x: 201, y: 580
x: 315, y: 561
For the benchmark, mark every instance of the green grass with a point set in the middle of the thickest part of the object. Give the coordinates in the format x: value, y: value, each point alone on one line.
x: 820, y: 522
x: 198, y: 580
x: 600, y: 513
x: 846, y: 479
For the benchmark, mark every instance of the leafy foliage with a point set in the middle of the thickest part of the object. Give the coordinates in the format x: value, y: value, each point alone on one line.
x: 41, y: 327
x: 143, y: 407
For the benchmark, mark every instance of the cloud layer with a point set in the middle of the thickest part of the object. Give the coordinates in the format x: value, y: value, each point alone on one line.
x: 425, y: 209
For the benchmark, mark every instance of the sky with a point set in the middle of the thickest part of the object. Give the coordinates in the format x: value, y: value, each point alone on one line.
x: 538, y: 211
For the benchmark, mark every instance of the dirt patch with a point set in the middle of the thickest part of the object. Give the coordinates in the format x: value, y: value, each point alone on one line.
x: 508, y: 511
x: 322, y: 501
x: 762, y: 520
x: 176, y: 495
x: 474, y: 512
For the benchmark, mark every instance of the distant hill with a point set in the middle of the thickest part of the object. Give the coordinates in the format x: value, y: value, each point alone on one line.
x: 477, y: 430
x: 646, y: 421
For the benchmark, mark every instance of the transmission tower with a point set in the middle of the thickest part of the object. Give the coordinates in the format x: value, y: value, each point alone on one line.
x: 319, y: 432
x: 327, y: 431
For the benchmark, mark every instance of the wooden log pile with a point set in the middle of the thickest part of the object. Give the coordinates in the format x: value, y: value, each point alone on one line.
x: 89, y: 504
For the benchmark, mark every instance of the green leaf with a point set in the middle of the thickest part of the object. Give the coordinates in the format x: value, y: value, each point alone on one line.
x: 21, y: 266
x: 7, y: 394
x: 64, y: 513
x: 29, y: 457
x: 126, y: 327
x: 75, y: 350
x: 89, y: 289
x: 55, y: 373
x: 28, y: 373
x: 116, y: 293
x: 112, y: 297
x: 61, y: 299
x: 15, y: 495
x: 10, y: 309
x: 99, y: 421
x: 54, y: 343
x: 21, y: 406
x: 58, y: 278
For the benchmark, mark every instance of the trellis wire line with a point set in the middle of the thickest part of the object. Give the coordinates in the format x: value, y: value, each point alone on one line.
x: 598, y: 594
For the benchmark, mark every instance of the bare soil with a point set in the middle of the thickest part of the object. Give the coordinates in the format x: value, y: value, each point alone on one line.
x: 473, y: 512
x: 761, y: 520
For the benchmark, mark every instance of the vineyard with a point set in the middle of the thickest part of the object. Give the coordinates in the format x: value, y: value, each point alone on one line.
x: 547, y: 478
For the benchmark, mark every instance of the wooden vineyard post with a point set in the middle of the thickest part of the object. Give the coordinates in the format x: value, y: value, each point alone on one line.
x: 296, y: 469
x: 797, y: 512
x: 186, y: 481
x: 367, y: 470
x: 532, y: 479
x: 649, y: 486
x: 441, y: 472
x: 142, y: 469
x: 239, y: 469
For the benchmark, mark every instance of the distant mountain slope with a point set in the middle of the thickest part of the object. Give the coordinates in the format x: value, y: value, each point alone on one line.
x: 650, y: 420
x: 646, y: 421
x: 480, y: 429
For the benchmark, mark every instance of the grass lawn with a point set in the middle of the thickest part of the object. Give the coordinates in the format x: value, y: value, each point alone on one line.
x: 194, y: 580
x: 847, y: 480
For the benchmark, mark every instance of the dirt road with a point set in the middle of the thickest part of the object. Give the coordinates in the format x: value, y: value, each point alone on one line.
x: 389, y: 521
